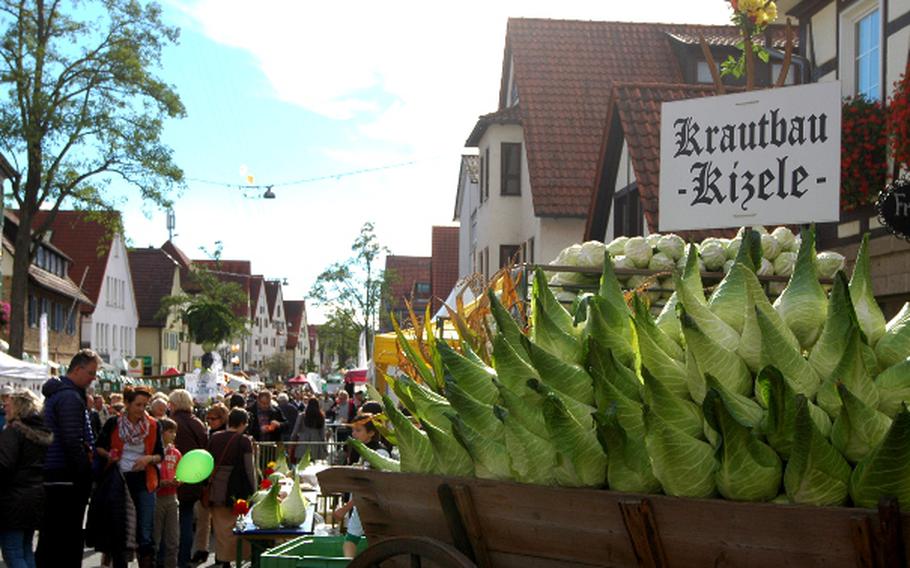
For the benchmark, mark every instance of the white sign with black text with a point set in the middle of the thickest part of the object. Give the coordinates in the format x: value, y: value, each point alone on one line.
x: 767, y: 157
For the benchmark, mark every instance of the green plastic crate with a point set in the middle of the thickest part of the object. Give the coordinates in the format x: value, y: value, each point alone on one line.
x: 309, y: 552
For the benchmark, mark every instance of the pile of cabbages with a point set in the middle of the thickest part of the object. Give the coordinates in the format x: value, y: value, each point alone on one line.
x: 664, y: 252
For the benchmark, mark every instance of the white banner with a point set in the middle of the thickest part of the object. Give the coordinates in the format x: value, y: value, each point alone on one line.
x: 42, y: 338
x: 765, y: 157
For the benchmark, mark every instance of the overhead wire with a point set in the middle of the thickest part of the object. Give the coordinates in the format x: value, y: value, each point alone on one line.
x: 303, y: 181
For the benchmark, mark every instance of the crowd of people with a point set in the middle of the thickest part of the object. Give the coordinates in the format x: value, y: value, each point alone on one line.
x: 82, y: 471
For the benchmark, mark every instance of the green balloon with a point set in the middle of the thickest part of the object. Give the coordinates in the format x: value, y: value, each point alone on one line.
x: 195, y: 466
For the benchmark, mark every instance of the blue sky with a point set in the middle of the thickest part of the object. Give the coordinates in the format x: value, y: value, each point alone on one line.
x: 296, y: 90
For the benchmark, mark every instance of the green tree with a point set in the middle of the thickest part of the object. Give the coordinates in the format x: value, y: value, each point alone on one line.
x: 340, y: 336
x: 280, y: 365
x: 82, y: 107
x: 353, y: 288
x: 209, y: 313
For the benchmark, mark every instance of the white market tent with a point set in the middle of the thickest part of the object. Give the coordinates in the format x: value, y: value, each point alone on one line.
x: 21, y: 374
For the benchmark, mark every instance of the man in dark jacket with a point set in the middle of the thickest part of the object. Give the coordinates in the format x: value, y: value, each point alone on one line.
x: 290, y: 411
x: 68, y: 464
x: 267, y: 422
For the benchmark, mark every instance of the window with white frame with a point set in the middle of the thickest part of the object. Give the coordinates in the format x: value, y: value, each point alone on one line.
x: 860, y: 54
x: 868, y: 67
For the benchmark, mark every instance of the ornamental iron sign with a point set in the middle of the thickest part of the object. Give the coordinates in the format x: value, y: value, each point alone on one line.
x: 768, y: 157
x: 893, y: 206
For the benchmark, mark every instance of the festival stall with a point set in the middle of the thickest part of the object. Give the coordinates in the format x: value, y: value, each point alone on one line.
x: 21, y: 374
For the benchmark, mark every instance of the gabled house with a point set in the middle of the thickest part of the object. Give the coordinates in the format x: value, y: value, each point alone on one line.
x: 539, y: 153
x: 51, y: 291
x: 467, y: 200
x: 261, y: 329
x: 298, y: 341
x: 275, y: 304
x: 156, y: 275
x: 101, y: 264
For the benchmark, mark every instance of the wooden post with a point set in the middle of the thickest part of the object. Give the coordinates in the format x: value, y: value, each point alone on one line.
x: 891, y: 543
x: 750, y: 62
x: 641, y: 527
x: 712, y: 65
x: 788, y: 57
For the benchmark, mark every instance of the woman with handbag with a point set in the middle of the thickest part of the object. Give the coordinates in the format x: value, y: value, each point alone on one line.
x: 132, y: 443
x: 234, y: 478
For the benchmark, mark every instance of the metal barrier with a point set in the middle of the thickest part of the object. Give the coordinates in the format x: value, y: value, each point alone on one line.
x: 334, y: 452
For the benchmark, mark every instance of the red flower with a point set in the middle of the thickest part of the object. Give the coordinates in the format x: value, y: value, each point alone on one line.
x: 266, y: 484
x: 241, y: 507
x: 267, y: 472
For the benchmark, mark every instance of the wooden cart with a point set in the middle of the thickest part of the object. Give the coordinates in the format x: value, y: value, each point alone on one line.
x: 460, y: 523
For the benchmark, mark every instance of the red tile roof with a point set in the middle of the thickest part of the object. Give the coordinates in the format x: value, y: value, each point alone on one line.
x: 177, y: 254
x: 444, y: 267
x: 86, y: 238
x: 236, y: 271
x: 564, y: 71
x: 404, y: 272
x: 255, y: 286
x: 511, y: 115
x: 153, y: 276
x: 293, y: 311
x: 637, y: 107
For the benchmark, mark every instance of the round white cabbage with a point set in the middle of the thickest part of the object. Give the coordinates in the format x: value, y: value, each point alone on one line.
x: 569, y: 279
x: 785, y: 237
x: 713, y: 254
x: 672, y: 245
x: 638, y: 251
x: 591, y: 254
x: 568, y: 256
x: 661, y: 263
x: 617, y: 246
x: 623, y: 261
x: 766, y: 268
x: 829, y: 262
x: 785, y: 263
x: 770, y: 248
x: 653, y: 239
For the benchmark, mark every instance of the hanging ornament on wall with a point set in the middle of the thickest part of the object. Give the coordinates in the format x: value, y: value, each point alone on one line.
x: 893, y: 206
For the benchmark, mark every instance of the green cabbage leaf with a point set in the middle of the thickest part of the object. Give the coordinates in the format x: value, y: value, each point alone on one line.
x: 841, y: 318
x: 294, y: 506
x: 803, y: 304
x: 779, y: 423
x: 474, y: 378
x: 680, y: 413
x: 683, y: 464
x: 778, y: 352
x: 869, y: 314
x: 853, y: 372
x: 266, y: 514
x: 714, y: 359
x: 894, y: 388
x: 858, y: 428
x: 376, y: 460
x: 628, y: 465
x: 748, y: 469
x: 886, y: 471
x: 451, y: 457
x: 816, y: 474
x: 488, y: 452
x: 417, y: 454
x: 894, y: 345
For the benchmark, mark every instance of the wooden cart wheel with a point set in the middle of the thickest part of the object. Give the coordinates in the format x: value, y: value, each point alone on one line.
x: 418, y: 548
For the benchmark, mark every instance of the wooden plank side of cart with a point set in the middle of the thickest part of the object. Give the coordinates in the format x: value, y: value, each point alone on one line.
x: 559, y: 527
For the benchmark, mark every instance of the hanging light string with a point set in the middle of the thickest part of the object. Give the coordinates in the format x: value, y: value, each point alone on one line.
x: 269, y: 186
